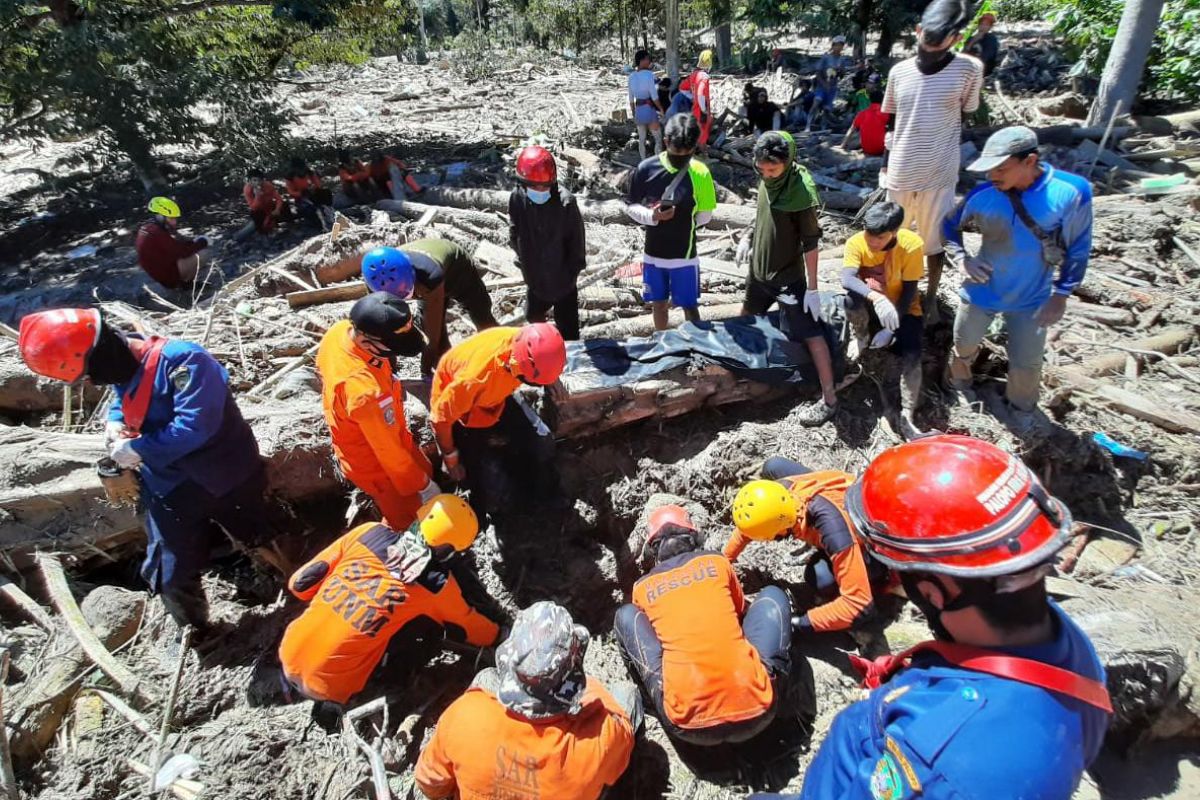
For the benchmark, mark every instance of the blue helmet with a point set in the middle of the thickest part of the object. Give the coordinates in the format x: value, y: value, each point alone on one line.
x: 387, y: 269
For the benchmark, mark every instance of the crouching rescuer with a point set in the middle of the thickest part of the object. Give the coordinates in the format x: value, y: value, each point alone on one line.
x: 174, y: 421
x: 371, y: 586
x: 490, y: 439
x: 711, y: 664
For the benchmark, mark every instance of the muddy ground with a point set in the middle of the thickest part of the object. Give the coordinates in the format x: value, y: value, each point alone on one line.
x: 1134, y: 586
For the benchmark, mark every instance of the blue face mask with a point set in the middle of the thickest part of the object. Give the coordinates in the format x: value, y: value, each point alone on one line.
x: 538, y: 197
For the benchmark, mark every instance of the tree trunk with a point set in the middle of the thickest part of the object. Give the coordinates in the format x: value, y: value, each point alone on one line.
x: 887, y: 38
x: 721, y: 13
x: 1126, y: 60
x: 621, y: 28
x: 671, y: 8
x: 862, y: 20
x: 134, y: 145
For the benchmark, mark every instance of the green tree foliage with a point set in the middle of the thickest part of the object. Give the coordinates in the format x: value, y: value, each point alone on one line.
x: 144, y: 74
x: 1173, y: 69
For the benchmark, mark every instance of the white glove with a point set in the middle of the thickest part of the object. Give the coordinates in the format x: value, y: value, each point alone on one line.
x: 977, y: 269
x: 886, y: 312
x: 112, y: 432
x: 812, y: 303
x: 430, y: 491
x: 124, y: 455
x: 881, y: 339
x: 742, y: 255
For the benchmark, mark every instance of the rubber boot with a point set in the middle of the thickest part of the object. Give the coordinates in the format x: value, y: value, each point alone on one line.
x: 910, y: 399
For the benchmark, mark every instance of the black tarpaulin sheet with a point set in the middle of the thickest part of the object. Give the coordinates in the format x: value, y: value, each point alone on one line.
x: 754, y: 348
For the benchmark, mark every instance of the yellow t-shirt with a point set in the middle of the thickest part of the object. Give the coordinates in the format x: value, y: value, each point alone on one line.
x: 891, y: 268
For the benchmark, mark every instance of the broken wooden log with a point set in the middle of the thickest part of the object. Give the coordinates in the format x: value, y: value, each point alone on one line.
x: 1127, y: 402
x: 1063, y: 135
x: 114, y: 614
x: 644, y: 325
x: 329, y: 294
x: 26, y: 604
x: 1168, y: 342
x: 1104, y: 314
x: 584, y: 412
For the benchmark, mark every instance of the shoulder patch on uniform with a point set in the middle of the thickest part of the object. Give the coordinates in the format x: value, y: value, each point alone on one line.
x: 906, y: 767
x: 886, y: 782
x: 181, y: 377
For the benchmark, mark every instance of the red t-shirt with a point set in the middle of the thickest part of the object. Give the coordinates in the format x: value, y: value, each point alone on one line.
x: 872, y: 126
x: 159, y: 251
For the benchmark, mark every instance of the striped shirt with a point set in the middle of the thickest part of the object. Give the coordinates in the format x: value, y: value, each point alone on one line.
x: 928, y: 128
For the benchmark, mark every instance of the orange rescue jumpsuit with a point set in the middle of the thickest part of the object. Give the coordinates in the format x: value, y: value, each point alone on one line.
x: 482, y: 751
x: 355, y: 607
x: 472, y: 380
x: 364, y: 407
x: 834, y: 537
x: 710, y: 673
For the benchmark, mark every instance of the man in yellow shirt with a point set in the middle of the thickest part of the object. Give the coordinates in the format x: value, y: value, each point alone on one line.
x: 882, y: 267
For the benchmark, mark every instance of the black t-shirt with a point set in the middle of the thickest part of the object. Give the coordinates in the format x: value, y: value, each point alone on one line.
x: 694, y: 193
x: 762, y: 115
x: 430, y: 258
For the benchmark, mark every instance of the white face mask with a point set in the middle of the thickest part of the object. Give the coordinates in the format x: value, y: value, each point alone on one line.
x: 537, y: 196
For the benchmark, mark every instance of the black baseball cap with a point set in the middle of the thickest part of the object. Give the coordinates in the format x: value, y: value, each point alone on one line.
x: 387, y: 318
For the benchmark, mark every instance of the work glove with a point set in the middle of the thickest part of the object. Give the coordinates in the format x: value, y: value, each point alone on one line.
x: 742, y: 255
x: 123, y: 454
x: 430, y: 491
x: 812, y: 303
x: 112, y: 433
x: 977, y: 269
x: 886, y: 312
x: 881, y: 339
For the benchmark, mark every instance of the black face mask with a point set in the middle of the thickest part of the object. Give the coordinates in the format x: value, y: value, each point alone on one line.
x: 895, y: 240
x: 930, y: 62
x: 111, y: 362
x: 933, y: 614
x: 678, y: 162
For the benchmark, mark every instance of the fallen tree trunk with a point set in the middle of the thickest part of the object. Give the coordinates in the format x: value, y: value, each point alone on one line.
x: 670, y: 394
x: 1125, y: 401
x: 613, y: 211
x: 644, y: 325
x: 1168, y: 342
x: 50, y: 496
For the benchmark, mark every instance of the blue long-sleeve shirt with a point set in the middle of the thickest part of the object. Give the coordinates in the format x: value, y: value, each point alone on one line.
x: 940, y: 732
x: 193, y: 429
x: 1061, y: 204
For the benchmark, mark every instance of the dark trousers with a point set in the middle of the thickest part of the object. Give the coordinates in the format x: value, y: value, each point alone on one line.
x: 767, y: 626
x: 566, y: 313
x: 508, y: 464
x: 180, y: 528
x: 907, y: 342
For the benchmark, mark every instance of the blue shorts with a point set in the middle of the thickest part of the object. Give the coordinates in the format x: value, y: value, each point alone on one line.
x: 824, y: 97
x: 645, y: 115
x: 680, y: 284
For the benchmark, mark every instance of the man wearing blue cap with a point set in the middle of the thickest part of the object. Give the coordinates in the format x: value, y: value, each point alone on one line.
x: 1036, y: 223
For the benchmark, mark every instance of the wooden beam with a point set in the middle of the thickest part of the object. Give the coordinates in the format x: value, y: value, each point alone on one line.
x: 1127, y: 402
x: 330, y: 294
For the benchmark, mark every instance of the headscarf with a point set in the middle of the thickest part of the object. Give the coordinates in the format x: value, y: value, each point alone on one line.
x: 794, y: 189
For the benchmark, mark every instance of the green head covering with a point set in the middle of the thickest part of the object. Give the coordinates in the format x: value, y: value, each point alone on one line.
x: 794, y: 189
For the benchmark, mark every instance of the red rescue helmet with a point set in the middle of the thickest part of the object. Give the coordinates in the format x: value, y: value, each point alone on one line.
x: 540, y: 353
x: 536, y: 165
x: 667, y: 515
x: 57, y: 343
x: 957, y: 506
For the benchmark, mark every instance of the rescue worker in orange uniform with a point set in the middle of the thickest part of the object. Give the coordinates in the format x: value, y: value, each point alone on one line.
x: 811, y: 506
x: 712, y: 666
x: 391, y: 176
x: 371, y: 585
x: 266, y: 204
x: 355, y: 178
x: 535, y: 726
x: 490, y: 440
x: 364, y: 406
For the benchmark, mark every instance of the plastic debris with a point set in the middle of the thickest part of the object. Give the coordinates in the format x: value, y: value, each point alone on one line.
x: 1118, y: 449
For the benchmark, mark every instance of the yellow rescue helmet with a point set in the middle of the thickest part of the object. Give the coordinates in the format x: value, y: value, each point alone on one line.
x: 706, y: 59
x: 164, y: 206
x: 764, y: 509
x: 447, y: 519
